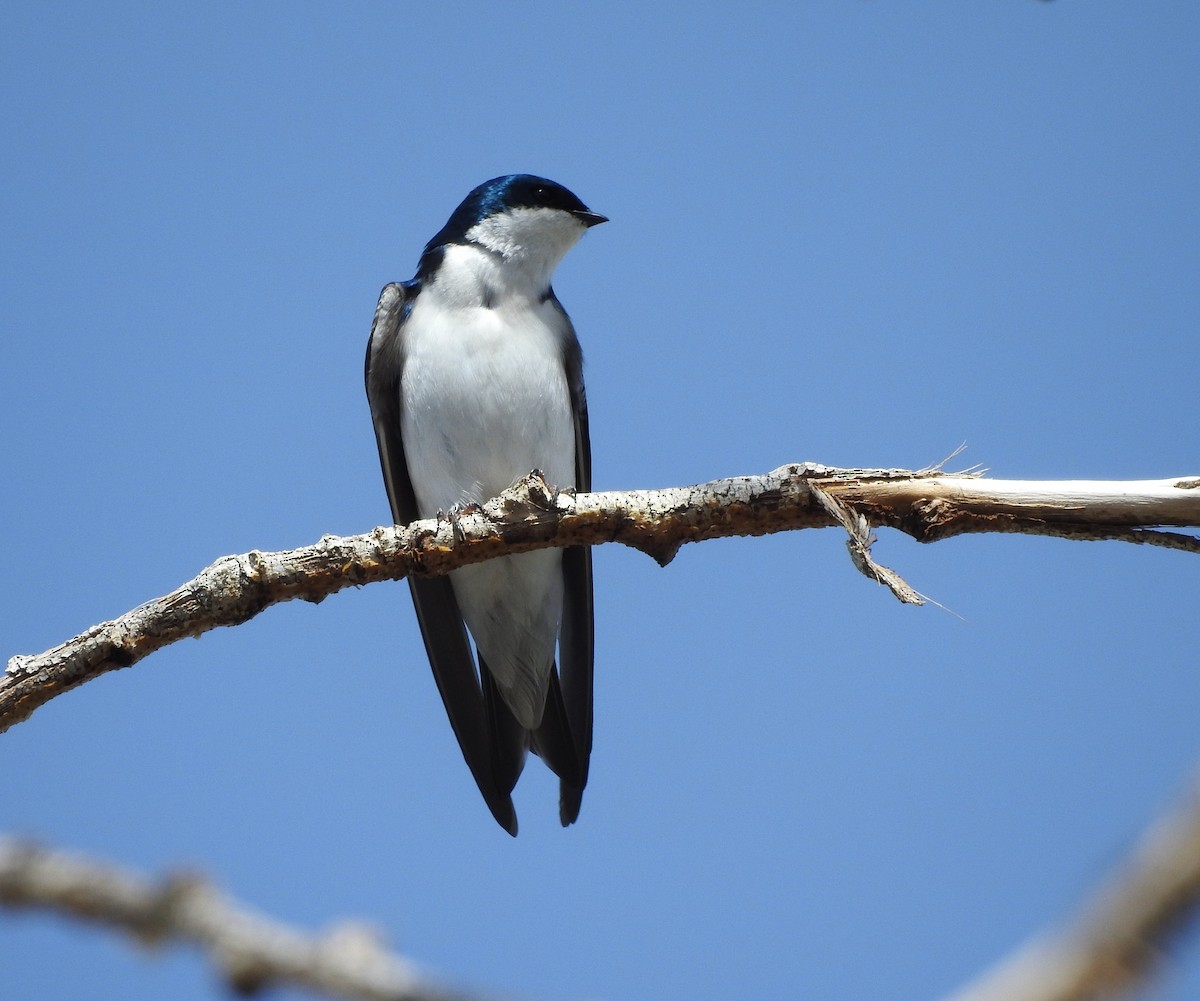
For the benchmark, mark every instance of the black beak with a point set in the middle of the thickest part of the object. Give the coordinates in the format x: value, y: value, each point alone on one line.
x: 589, y: 218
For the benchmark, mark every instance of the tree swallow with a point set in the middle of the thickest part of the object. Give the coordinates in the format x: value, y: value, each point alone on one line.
x: 475, y: 377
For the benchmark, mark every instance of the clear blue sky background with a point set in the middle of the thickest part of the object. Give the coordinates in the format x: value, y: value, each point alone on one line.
x: 856, y: 233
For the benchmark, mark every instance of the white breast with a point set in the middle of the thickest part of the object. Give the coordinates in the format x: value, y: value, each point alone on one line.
x: 485, y: 400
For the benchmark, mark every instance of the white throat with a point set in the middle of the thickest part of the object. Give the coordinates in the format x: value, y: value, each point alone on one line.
x: 515, y: 252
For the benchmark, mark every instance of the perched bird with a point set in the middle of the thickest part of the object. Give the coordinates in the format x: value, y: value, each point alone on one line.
x: 474, y: 377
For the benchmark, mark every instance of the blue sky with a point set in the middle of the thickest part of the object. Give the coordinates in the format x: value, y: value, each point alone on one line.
x: 855, y: 233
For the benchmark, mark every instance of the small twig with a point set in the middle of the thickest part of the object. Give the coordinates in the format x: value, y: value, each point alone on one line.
x: 252, y: 952
x: 859, y: 540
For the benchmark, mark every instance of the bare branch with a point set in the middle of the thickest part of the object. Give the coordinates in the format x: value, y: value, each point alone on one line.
x: 928, y: 505
x: 251, y: 951
x: 1121, y: 934
x: 1111, y: 946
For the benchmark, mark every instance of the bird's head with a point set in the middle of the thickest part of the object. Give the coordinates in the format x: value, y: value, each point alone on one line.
x: 529, y: 221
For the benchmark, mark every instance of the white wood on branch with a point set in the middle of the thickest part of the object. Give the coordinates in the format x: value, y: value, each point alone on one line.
x: 926, y: 504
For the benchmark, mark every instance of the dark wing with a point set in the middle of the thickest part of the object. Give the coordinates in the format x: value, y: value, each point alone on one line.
x: 437, y: 610
x: 569, y: 699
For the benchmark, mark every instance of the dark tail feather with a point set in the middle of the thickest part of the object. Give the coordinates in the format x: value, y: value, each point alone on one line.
x: 576, y: 647
x: 454, y: 671
x: 509, y: 739
x: 570, y: 799
x: 555, y: 744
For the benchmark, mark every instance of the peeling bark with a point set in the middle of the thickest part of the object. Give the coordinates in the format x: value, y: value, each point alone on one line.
x: 926, y: 504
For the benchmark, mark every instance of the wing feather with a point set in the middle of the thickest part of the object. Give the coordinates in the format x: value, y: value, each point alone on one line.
x: 437, y: 610
x: 576, y: 641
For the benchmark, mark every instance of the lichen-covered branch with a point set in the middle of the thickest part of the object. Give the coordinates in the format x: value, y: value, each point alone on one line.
x: 252, y: 952
x: 926, y: 504
x: 1119, y: 936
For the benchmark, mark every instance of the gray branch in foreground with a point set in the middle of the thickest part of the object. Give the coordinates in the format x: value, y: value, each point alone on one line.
x: 928, y: 505
x: 1110, y: 948
x: 1121, y: 934
x: 251, y: 952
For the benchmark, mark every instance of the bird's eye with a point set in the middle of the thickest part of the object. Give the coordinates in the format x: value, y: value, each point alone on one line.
x: 542, y: 193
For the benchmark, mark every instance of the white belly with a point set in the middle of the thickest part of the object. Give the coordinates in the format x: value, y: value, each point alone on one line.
x: 484, y: 401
